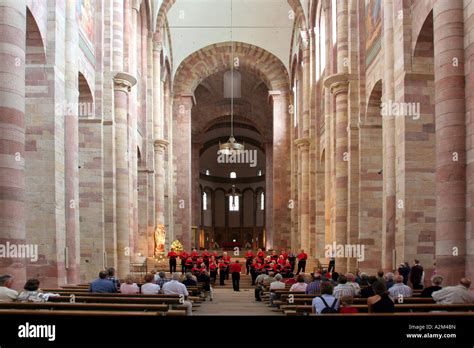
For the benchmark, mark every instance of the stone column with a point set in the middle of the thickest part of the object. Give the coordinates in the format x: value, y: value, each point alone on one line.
x: 182, y: 163
x: 340, y: 91
x: 281, y: 169
x: 339, y: 86
x: 388, y: 125
x: 303, y: 144
x: 12, y: 134
x: 448, y: 27
x: 71, y: 146
x: 123, y: 83
x: 469, y: 69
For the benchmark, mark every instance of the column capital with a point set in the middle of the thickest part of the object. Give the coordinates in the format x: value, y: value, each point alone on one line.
x: 124, y: 81
x: 303, y: 143
x: 339, y: 82
x: 160, y: 144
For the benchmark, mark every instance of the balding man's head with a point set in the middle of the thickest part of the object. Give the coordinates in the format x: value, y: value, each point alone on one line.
x: 398, y: 279
x: 176, y: 276
x: 465, y: 282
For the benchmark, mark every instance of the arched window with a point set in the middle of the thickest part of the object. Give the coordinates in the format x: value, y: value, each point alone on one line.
x: 259, y: 172
x: 233, y: 175
x: 204, y: 201
x: 233, y: 203
x: 262, y: 201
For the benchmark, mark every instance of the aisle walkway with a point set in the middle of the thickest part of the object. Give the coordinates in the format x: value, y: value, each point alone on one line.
x: 229, y: 302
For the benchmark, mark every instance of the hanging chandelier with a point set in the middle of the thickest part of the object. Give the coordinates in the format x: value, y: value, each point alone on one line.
x: 231, y: 146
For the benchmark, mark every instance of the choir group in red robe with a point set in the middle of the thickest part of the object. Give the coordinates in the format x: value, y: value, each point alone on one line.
x: 256, y: 263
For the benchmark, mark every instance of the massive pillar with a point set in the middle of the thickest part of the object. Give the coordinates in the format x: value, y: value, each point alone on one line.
x: 469, y: 70
x: 281, y: 170
x: 304, y: 144
x: 182, y: 164
x: 71, y: 146
x: 12, y: 133
x: 123, y: 83
x: 160, y: 143
x: 388, y: 128
x: 339, y: 86
x: 450, y: 139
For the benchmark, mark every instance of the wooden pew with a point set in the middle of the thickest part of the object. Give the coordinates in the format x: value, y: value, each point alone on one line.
x: 306, y: 309
x: 78, y: 313
x: 86, y: 306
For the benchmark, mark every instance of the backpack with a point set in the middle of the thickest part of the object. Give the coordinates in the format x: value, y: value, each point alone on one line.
x: 327, y: 309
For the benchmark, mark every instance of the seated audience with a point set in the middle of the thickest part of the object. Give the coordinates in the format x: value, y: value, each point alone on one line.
x: 112, y: 278
x: 346, y: 305
x: 351, y: 281
x: 436, y: 282
x: 276, y: 285
x: 174, y: 287
x: 161, y: 280
x: 399, y: 290
x: 343, y: 289
x: 205, y: 280
x: 380, y: 302
x: 380, y: 276
x: 300, y: 285
x: 268, y: 279
x: 102, y: 284
x: 368, y: 291
x: 6, y: 293
x: 150, y: 288
x: 389, y: 280
x: 314, y: 287
x: 129, y: 287
x: 189, y: 281
x: 364, y: 279
x: 31, y: 293
x: 326, y: 303
x: 454, y: 294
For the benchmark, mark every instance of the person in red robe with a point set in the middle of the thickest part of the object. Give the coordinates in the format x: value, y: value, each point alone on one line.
x: 284, y: 254
x: 235, y: 269
x: 261, y: 255
x: 183, y: 256
x: 213, y: 270
x: 302, y: 257
x: 189, y: 264
x: 226, y: 259
x: 194, y: 255
x: 206, y: 256
x: 172, y: 258
x: 249, y: 256
x: 222, y: 271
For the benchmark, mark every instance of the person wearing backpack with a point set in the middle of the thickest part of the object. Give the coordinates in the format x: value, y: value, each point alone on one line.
x: 326, y: 303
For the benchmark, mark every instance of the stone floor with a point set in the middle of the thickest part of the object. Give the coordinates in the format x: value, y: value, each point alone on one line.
x: 230, y: 302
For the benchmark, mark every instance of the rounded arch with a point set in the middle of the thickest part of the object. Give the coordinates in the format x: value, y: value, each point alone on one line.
x: 217, y: 57
x: 372, y: 114
x: 86, y: 99
x: 300, y: 17
x: 162, y: 12
x: 35, y: 48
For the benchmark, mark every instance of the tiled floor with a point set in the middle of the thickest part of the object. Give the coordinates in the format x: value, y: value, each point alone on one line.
x: 229, y: 302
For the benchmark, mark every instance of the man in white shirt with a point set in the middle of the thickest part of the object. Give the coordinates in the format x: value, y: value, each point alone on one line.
x: 276, y: 285
x: 343, y: 289
x: 399, y: 289
x: 175, y: 287
x: 454, y: 294
x: 350, y: 281
x: 6, y: 293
